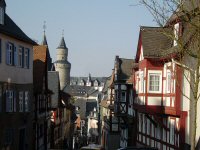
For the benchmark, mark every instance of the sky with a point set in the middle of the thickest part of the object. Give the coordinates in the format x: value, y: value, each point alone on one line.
x: 95, y: 31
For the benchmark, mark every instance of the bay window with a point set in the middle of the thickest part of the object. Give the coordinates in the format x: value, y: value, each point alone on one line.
x: 155, y: 81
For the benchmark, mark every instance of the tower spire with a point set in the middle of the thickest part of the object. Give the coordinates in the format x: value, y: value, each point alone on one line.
x: 44, y: 41
x: 62, y: 42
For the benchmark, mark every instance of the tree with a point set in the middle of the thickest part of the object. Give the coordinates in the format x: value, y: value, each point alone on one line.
x: 166, y: 13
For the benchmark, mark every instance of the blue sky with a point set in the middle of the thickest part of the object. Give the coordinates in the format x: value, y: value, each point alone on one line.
x: 95, y: 31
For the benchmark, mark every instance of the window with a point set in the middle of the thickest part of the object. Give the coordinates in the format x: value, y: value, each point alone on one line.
x: 123, y: 96
x: 142, y: 82
x: 9, y: 136
x: 26, y: 58
x: 11, y: 54
x: 26, y: 101
x: 168, y: 81
x: 21, y: 102
x: 155, y: 82
x: 172, y: 128
x: 20, y: 57
x: 10, y: 101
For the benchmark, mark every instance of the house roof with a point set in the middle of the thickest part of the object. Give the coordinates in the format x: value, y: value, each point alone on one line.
x: 125, y: 66
x: 186, y: 8
x: 155, y: 40
x: 77, y: 90
x: 11, y: 29
x: 39, y: 66
x: 106, y: 85
x: 81, y: 103
x: 54, y: 85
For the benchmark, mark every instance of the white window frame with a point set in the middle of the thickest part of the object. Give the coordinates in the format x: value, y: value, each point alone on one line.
x: 172, y: 131
x: 168, y: 81
x: 141, y: 82
x: 158, y: 73
x: 20, y: 55
x: 21, y: 101
x: 26, y: 101
x: 9, y: 101
x: 25, y: 58
x: 10, y: 49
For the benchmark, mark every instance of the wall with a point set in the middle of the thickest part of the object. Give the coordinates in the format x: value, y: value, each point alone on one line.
x: 16, y: 74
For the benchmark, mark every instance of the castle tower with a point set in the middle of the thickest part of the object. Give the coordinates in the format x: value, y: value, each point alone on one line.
x: 62, y: 65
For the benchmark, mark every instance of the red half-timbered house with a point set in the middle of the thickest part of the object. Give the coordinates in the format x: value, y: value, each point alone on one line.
x: 158, y: 82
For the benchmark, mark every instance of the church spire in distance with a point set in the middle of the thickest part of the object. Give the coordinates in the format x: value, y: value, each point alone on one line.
x: 44, y: 41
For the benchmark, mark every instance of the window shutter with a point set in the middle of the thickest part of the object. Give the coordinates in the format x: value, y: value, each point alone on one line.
x: 28, y: 61
x: 15, y: 56
x: 22, y: 57
x: 0, y: 50
x: 7, y: 54
x: 14, y: 101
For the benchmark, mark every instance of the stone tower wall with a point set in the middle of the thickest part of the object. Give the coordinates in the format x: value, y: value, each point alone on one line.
x: 64, y: 73
x: 62, y: 54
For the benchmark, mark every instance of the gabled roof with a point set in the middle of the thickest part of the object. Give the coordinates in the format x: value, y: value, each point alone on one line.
x: 124, y: 68
x: 11, y: 29
x: 155, y: 40
x: 39, y: 66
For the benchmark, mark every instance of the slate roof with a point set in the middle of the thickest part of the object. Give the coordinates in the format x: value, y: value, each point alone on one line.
x: 155, y: 40
x: 11, y: 29
x: 77, y: 90
x: 187, y: 6
x: 81, y: 103
x: 126, y: 66
x: 44, y: 41
x: 39, y: 66
x: 106, y: 85
x: 53, y: 85
x: 78, y: 79
x: 62, y: 44
x: 2, y: 3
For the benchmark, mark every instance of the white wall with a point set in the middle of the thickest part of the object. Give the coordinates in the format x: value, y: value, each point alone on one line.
x: 13, y: 73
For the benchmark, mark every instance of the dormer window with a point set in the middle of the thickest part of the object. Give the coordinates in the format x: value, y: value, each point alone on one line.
x: 2, y: 12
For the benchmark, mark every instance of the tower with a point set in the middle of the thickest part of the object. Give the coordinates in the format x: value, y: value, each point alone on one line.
x: 62, y: 65
x: 44, y: 43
